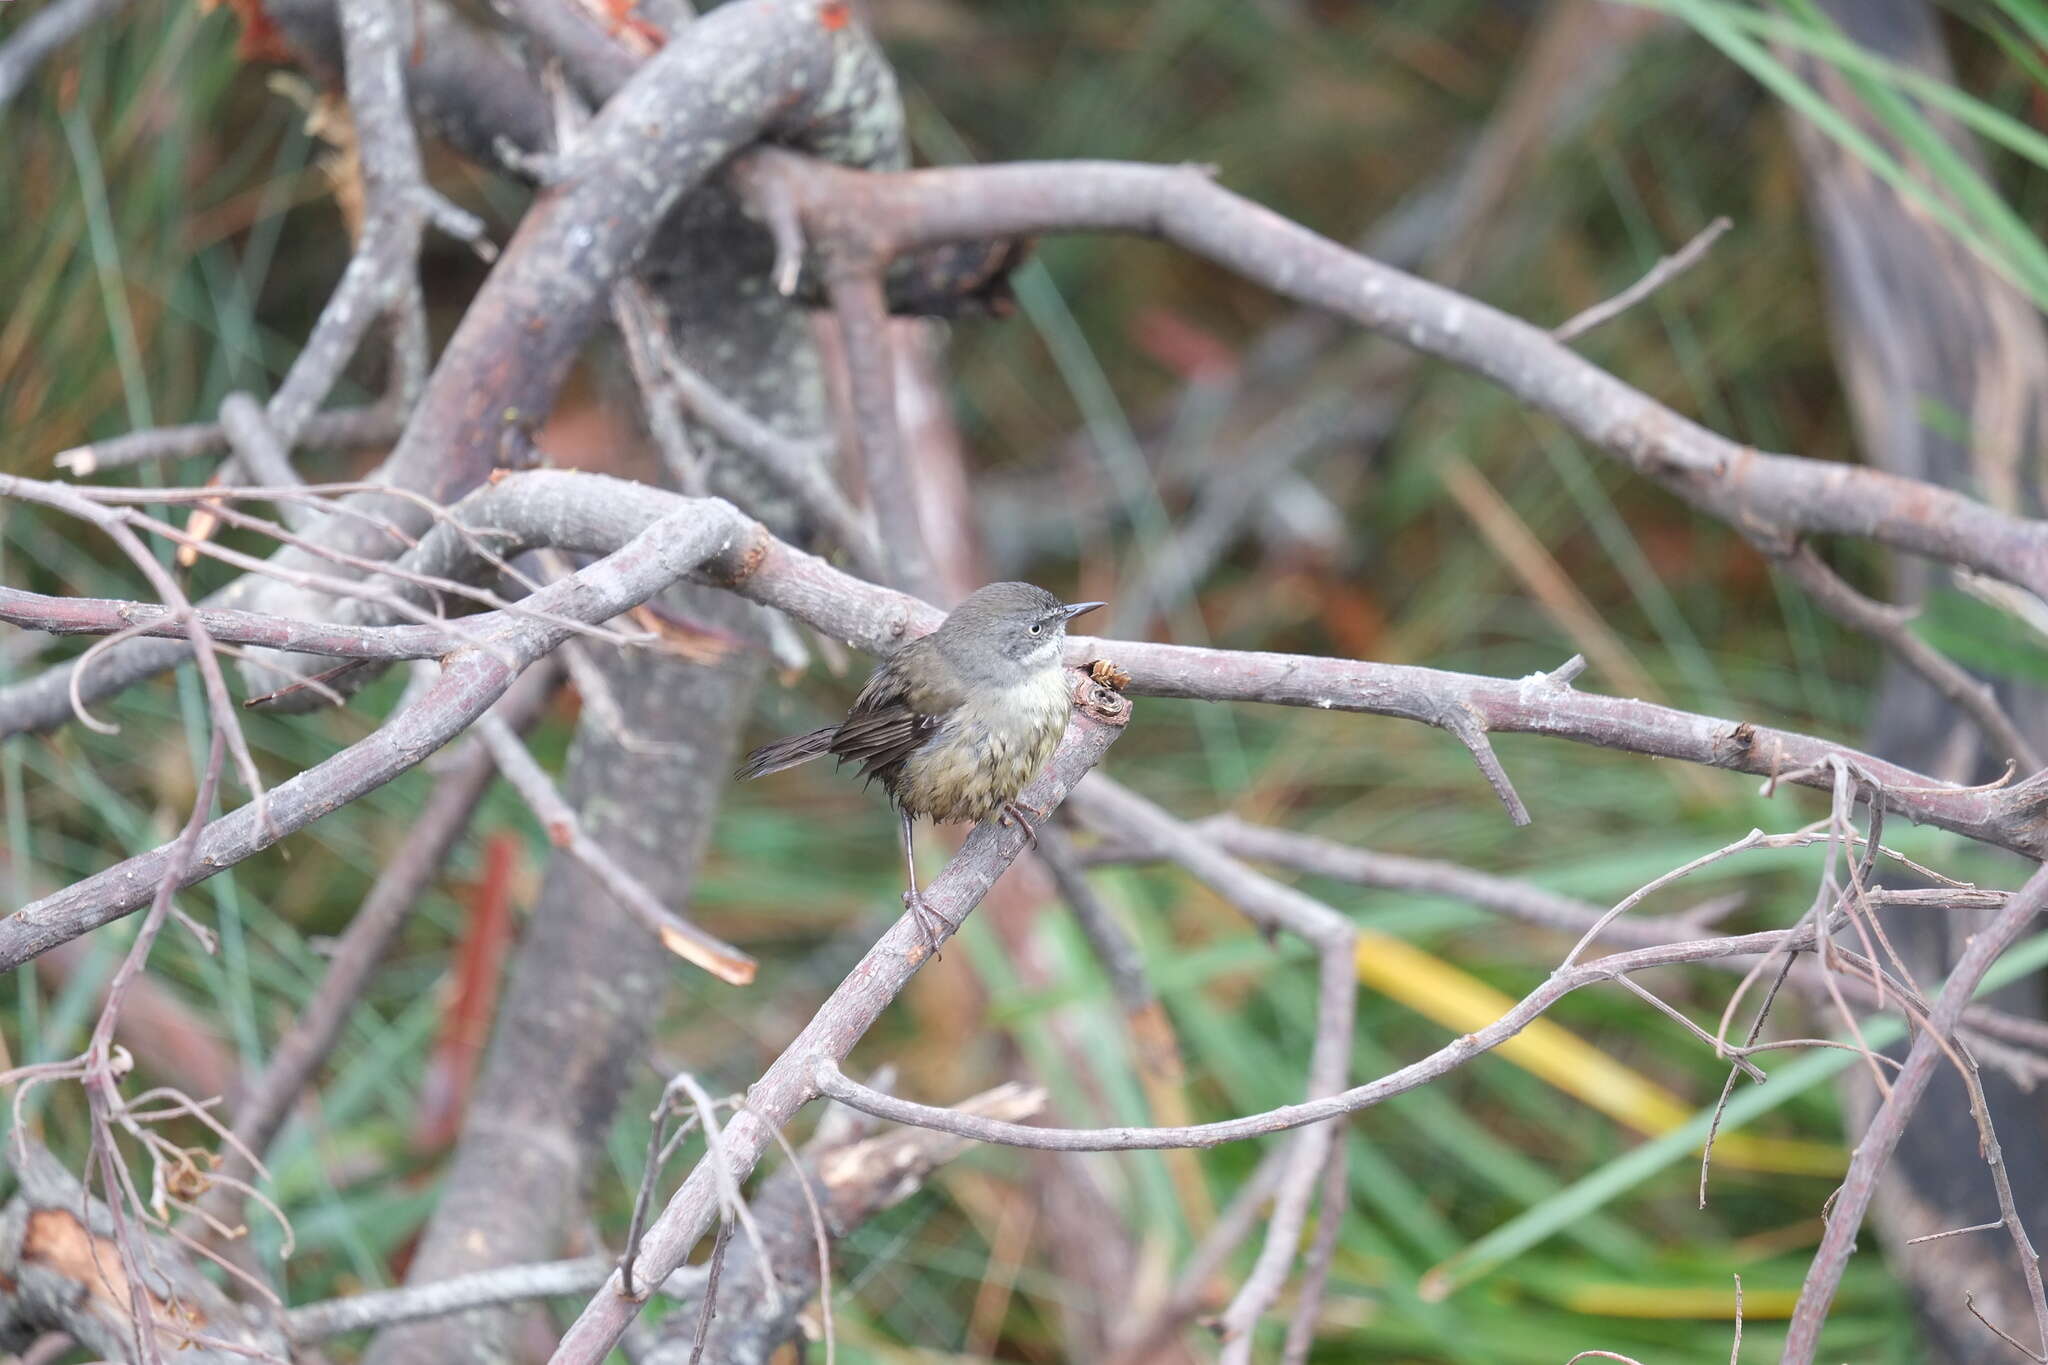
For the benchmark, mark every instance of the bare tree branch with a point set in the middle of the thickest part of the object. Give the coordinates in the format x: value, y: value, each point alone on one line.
x: 261, y: 1110
x: 566, y: 832
x: 61, y: 1270
x: 1776, y: 495
x: 471, y: 679
x: 839, y: 1023
x: 1887, y: 625
x: 1852, y: 1200
x: 664, y: 533
x: 484, y: 1289
x: 336, y: 428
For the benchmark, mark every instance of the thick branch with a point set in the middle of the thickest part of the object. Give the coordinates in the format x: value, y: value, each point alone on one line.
x: 1778, y: 496
x: 868, y: 989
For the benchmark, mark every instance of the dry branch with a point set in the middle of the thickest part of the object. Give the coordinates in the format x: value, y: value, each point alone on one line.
x: 663, y: 535
x: 840, y: 1022
x: 1930, y: 1049
x: 61, y: 1270
x: 1781, y: 496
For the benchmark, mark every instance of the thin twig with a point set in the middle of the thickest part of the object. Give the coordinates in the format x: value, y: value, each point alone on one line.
x: 1975, y: 698
x: 503, y: 1284
x: 709, y: 1306
x: 1667, y: 269
x: 1882, y: 1135
x: 565, y: 831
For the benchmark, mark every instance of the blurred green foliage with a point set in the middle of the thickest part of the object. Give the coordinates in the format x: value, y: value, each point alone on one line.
x: 171, y: 237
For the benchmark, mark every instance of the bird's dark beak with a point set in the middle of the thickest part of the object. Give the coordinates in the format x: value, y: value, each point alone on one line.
x: 1073, y: 609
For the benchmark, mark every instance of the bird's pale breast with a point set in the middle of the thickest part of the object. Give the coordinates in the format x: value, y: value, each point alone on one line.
x: 987, y: 751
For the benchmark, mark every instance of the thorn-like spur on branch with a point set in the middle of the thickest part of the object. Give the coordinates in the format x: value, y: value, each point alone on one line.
x: 886, y: 214
x: 842, y: 1020
x: 1463, y: 722
x: 1666, y: 270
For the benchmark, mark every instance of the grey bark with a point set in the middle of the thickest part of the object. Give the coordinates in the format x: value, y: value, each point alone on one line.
x: 588, y: 984
x: 61, y: 1271
x: 1919, y: 325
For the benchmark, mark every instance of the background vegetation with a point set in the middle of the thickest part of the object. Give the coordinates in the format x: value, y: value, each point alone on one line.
x: 172, y: 231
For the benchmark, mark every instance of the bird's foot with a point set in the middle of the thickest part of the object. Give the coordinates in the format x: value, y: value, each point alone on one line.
x: 1018, y: 814
x: 930, y: 923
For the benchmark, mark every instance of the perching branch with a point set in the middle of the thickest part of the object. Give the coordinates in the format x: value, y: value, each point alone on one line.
x: 471, y: 679
x: 666, y: 534
x: 594, y: 514
x: 841, y: 1021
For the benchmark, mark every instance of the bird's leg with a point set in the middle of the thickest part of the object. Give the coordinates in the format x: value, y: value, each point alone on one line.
x: 1015, y: 813
x: 913, y: 898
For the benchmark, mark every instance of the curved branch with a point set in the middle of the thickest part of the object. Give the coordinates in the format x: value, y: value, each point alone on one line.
x: 840, y: 1022
x: 834, y: 1084
x: 1776, y: 496
x: 596, y: 514
x: 1874, y: 1150
x: 471, y: 679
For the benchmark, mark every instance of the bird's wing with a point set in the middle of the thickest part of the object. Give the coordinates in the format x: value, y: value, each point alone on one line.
x: 883, y: 737
x: 889, y: 719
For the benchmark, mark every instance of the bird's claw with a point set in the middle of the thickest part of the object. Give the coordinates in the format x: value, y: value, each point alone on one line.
x: 1016, y: 813
x: 928, y: 920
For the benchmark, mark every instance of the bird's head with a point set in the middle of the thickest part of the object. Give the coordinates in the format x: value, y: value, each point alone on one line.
x: 1009, y: 628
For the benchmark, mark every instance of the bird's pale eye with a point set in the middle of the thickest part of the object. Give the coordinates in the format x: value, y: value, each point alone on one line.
x: 1037, y: 627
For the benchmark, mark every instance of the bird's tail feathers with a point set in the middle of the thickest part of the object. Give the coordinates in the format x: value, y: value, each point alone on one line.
x: 787, y: 753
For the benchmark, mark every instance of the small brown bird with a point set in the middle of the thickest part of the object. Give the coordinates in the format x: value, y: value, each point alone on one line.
x: 957, y: 722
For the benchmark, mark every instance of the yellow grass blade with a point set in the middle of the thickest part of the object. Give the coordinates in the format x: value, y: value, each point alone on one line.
x: 1461, y: 1002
